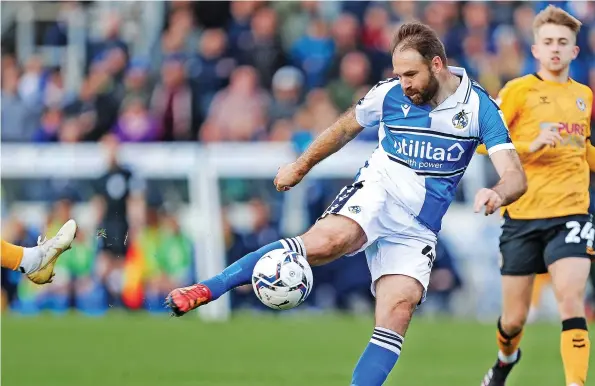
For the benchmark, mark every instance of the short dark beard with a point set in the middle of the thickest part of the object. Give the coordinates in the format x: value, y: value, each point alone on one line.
x: 426, y: 95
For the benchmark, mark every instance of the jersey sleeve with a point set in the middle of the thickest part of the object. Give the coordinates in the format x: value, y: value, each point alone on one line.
x: 508, y: 101
x: 368, y: 111
x: 493, y: 131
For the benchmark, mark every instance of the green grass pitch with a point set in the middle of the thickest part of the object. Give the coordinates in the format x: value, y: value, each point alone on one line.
x: 306, y: 349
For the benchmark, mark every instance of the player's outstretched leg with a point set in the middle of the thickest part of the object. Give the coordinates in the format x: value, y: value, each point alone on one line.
x: 182, y: 300
x: 396, y: 299
x: 330, y: 238
x: 38, y: 262
x: 516, y: 300
x: 569, y: 279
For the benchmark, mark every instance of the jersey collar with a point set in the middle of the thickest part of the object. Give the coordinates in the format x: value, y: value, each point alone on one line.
x: 462, y: 93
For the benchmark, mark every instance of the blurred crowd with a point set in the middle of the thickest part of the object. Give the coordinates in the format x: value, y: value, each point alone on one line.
x: 228, y: 71
x: 282, y: 68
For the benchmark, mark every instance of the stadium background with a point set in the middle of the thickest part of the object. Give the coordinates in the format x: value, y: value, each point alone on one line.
x: 83, y: 82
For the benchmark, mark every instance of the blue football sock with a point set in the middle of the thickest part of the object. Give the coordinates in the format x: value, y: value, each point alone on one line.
x: 378, y: 358
x: 240, y: 272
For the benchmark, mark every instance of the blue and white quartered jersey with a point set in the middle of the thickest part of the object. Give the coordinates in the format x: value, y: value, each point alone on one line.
x: 424, y: 151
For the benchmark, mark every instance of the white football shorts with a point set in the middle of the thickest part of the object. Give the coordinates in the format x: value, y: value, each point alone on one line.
x: 397, y: 242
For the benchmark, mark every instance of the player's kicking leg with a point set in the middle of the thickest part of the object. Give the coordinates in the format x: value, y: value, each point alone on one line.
x: 569, y: 279
x: 329, y: 239
x: 38, y: 262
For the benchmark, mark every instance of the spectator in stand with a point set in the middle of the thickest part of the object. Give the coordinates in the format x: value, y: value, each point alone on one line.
x: 182, y: 23
x: 48, y: 130
x: 510, y: 57
x: 249, y: 104
x: 322, y: 110
x: 137, y: 81
x: 296, y: 16
x: 262, y: 48
x: 54, y: 92
x: 110, y: 38
x: 523, y: 24
x: 97, y: 106
x: 209, y: 71
x: 313, y: 53
x: 238, y: 28
x: 477, y: 22
x: 71, y: 130
x: 345, y: 33
x: 174, y: 102
x: 404, y: 11
x: 116, y: 61
x: 287, y: 91
x: 355, y: 73
x: 169, y: 263
x: 172, y: 44
x: 136, y: 123
x: 375, y: 21
x: 19, y: 121
x: 434, y: 16
x: 30, y: 83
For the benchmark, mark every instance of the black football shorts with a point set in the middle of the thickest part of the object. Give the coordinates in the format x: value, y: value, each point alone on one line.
x: 530, y: 246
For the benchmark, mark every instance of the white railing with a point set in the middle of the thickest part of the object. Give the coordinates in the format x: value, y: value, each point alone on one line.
x: 203, y: 166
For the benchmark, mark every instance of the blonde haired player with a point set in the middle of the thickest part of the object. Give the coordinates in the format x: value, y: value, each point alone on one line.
x: 548, y: 229
x: 38, y: 262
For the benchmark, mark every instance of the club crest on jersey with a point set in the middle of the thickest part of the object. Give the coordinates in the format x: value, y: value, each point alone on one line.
x: 580, y: 103
x: 460, y: 120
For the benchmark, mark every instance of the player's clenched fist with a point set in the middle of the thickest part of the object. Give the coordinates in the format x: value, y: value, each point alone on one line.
x: 288, y: 176
x: 488, y: 198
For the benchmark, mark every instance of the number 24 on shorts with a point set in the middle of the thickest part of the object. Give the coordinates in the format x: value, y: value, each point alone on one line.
x: 576, y: 233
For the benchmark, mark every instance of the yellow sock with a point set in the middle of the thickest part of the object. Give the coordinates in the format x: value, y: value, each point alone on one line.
x: 12, y: 255
x: 575, y: 347
x: 507, y: 344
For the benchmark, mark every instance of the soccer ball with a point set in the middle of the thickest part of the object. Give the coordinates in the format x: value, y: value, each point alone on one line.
x: 282, y: 279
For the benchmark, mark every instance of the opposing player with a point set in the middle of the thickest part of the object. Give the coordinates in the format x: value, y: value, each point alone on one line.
x: 548, y: 229
x: 430, y: 120
x: 38, y: 262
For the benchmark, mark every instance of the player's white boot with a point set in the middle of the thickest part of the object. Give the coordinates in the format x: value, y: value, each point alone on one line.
x: 50, y: 251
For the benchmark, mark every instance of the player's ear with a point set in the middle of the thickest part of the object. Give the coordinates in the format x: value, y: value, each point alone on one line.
x: 575, y: 51
x: 437, y: 65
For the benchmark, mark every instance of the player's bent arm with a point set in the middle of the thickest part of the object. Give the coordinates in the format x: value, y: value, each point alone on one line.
x: 513, y: 181
x: 330, y: 140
